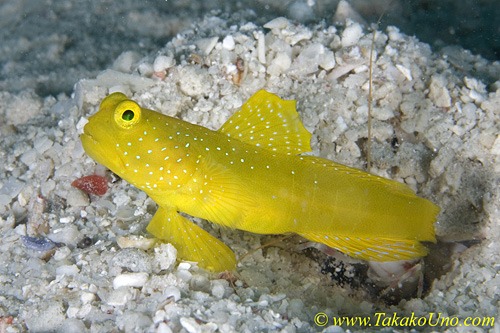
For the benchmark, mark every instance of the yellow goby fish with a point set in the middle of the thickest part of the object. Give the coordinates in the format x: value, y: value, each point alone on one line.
x: 249, y: 175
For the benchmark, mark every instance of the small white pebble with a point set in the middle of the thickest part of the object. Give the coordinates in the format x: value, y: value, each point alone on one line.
x: 42, y: 144
x: 77, y: 198
x: 163, y: 328
x: 125, y: 61
x: 67, y: 219
x: 139, y: 242
x: 190, y: 325
x: 327, y: 60
x: 228, y: 43
x: 261, y: 47
x: 87, y: 297
x: 277, y: 24
x: 81, y: 124
x: 137, y: 280
x: 67, y: 270
x: 119, y: 297
x: 351, y: 34
x: 173, y: 292
x: 184, y: 266
x: 184, y: 275
x: 22, y: 200
x: 405, y: 71
x: 206, y: 45
x: 165, y: 256
x: 162, y: 63
x: 218, y: 291
x: 145, y: 69
x: 67, y: 235
x: 62, y: 253
x: 20, y: 229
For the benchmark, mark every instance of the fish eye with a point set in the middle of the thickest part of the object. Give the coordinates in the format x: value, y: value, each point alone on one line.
x: 127, y: 114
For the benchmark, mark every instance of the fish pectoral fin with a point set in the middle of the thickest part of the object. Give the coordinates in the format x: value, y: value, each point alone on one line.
x: 372, y: 249
x: 220, y: 196
x: 192, y: 242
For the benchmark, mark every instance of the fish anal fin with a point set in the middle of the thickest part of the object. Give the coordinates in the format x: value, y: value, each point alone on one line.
x: 192, y: 242
x: 267, y: 121
x: 372, y: 249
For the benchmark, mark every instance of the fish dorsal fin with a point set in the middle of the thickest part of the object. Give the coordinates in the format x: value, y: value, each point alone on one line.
x: 267, y: 121
x: 361, y: 175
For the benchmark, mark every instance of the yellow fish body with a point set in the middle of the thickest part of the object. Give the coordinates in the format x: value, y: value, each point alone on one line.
x: 247, y: 176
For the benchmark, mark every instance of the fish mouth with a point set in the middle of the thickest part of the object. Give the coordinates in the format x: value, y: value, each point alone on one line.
x: 87, y: 135
x: 89, y: 139
x: 94, y: 148
x: 91, y: 145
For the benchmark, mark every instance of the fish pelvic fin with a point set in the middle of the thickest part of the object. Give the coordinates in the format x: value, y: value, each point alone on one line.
x: 192, y: 242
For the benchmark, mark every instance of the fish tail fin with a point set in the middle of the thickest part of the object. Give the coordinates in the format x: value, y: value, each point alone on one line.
x: 192, y: 242
x: 372, y: 249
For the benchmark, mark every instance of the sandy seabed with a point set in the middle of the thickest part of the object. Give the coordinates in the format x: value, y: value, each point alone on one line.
x: 435, y: 127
